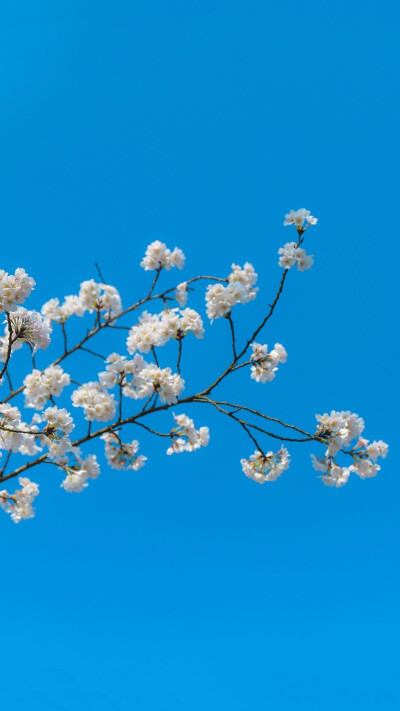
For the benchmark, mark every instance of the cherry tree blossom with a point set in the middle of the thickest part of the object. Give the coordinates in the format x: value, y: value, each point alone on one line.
x: 48, y: 435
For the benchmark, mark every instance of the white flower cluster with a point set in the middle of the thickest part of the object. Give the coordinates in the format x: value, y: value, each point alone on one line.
x: 100, y: 297
x: 40, y: 386
x: 19, y: 440
x: 19, y: 504
x: 185, y: 437
x: 266, y: 467
x: 122, y: 455
x: 240, y: 290
x: 139, y: 379
x: 77, y: 476
x: 266, y: 364
x: 55, y: 434
x: 338, y: 430
x: 181, y: 294
x: 26, y: 327
x: 299, y: 217
x: 96, y: 402
x: 157, y: 329
x: 167, y: 384
x: 158, y: 256
x: 93, y: 296
x: 291, y: 255
x: 126, y: 373
x: 14, y: 289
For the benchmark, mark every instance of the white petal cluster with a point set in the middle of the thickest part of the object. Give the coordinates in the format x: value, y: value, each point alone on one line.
x: 40, y: 386
x: 338, y: 430
x: 299, y: 217
x: 291, y: 255
x: 240, y: 290
x: 16, y: 435
x: 167, y: 384
x: 266, y: 467
x: 185, y: 437
x: 19, y: 504
x: 266, y: 364
x: 158, y: 256
x: 100, y: 297
x: 53, y: 311
x: 92, y: 296
x: 26, y: 327
x: 181, y: 294
x: 122, y: 455
x: 126, y: 373
x: 59, y: 424
x: 14, y: 289
x: 137, y: 379
x: 78, y: 475
x: 10, y: 419
x: 96, y: 402
x: 155, y: 330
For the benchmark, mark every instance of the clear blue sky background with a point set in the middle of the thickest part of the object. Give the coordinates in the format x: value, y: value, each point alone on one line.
x: 186, y: 586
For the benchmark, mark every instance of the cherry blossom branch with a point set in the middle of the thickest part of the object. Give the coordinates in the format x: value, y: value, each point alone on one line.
x: 237, y: 357
x: 110, y: 322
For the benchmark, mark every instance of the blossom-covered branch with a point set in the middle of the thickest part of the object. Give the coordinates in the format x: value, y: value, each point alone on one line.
x: 137, y: 375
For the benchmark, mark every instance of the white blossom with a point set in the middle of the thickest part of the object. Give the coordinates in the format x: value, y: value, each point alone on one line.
x: 377, y: 449
x: 14, y: 289
x: 338, y: 430
x: 55, y: 434
x: 100, y: 297
x: 166, y: 384
x: 26, y: 326
x: 266, y: 364
x: 19, y: 504
x: 240, y: 290
x: 299, y: 217
x: 122, y: 455
x: 92, y: 296
x: 291, y: 255
x: 158, y: 256
x: 266, y: 467
x: 96, y: 402
x: 40, y: 386
x: 78, y: 475
x: 10, y: 419
x: 185, y: 437
x: 181, y: 294
x: 127, y: 374
x: 154, y: 330
x: 336, y: 476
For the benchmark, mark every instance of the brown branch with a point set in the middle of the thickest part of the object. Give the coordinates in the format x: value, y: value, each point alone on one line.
x: 229, y: 318
x: 11, y: 340
x: 178, y: 362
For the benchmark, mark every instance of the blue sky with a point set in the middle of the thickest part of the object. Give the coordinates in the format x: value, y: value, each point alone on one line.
x: 187, y: 586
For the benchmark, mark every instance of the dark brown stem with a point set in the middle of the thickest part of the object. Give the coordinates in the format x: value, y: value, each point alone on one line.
x: 178, y: 362
x: 11, y: 340
x: 229, y: 318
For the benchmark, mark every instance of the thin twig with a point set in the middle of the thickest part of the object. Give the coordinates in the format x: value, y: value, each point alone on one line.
x: 178, y: 362
x: 64, y: 333
x: 153, y: 350
x: 99, y: 273
x: 229, y: 318
x: 160, y: 434
x: 87, y: 350
x: 11, y: 340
